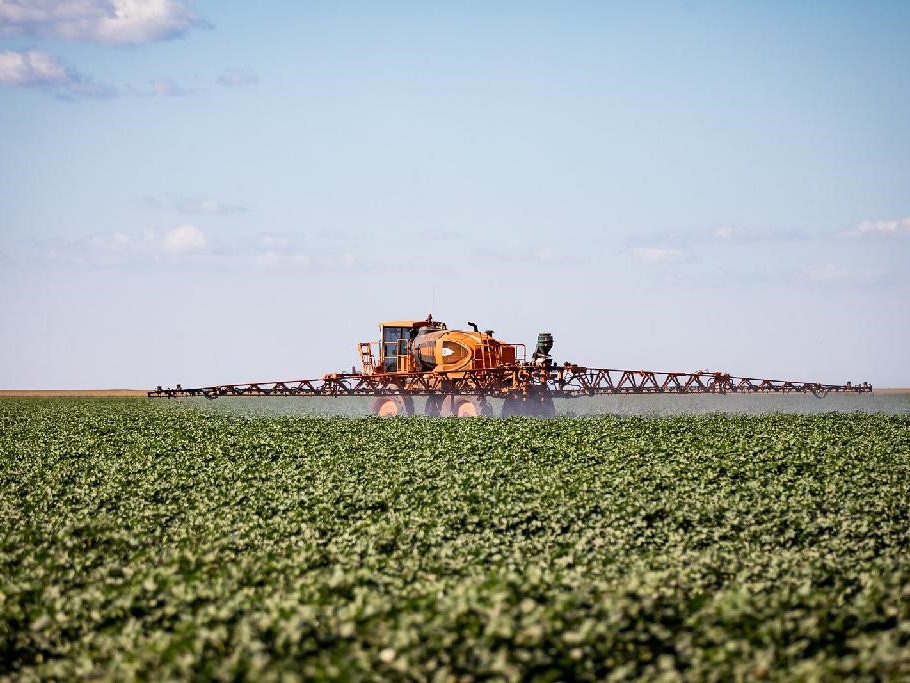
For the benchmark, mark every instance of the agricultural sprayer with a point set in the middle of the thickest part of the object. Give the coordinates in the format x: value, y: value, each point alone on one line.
x: 458, y: 371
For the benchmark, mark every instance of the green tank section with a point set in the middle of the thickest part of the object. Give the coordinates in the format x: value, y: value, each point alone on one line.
x: 544, y: 343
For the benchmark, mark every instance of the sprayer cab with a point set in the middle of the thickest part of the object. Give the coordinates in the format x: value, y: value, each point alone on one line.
x: 396, y: 341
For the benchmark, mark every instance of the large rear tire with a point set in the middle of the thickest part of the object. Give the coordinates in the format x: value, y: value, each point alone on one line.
x: 392, y: 406
x: 466, y: 406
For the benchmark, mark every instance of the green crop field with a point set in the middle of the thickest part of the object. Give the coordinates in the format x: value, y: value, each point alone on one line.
x: 161, y: 541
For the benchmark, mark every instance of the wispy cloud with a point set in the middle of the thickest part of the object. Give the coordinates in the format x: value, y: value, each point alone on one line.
x: 719, y: 235
x: 30, y: 68
x: 187, y: 243
x: 731, y: 234
x: 274, y: 251
x: 898, y: 227
x: 237, y: 77
x: 121, y: 247
x: 651, y: 256
x: 110, y: 22
x: 191, y: 205
x: 164, y: 87
x: 41, y: 70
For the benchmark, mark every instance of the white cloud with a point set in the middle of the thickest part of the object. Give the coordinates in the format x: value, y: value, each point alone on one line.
x: 892, y: 228
x: 235, y: 77
x: 31, y: 68
x: 39, y: 69
x: 183, y: 239
x: 110, y: 22
x: 659, y: 255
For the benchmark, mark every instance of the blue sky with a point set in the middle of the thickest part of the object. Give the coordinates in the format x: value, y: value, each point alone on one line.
x: 215, y: 192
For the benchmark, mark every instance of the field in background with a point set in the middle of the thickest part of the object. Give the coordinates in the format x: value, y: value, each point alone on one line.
x: 155, y: 540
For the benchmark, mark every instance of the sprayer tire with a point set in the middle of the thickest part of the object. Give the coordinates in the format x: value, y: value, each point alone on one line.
x: 466, y: 406
x: 392, y: 406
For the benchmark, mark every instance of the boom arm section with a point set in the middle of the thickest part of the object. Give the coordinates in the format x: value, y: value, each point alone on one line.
x: 568, y: 381
x: 579, y: 381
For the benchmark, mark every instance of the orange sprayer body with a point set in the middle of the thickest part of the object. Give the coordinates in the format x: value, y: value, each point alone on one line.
x: 408, y: 346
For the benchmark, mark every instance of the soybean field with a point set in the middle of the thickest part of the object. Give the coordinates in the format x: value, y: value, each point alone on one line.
x: 144, y: 540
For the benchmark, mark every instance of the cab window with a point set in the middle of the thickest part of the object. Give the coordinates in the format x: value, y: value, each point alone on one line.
x: 391, y: 346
